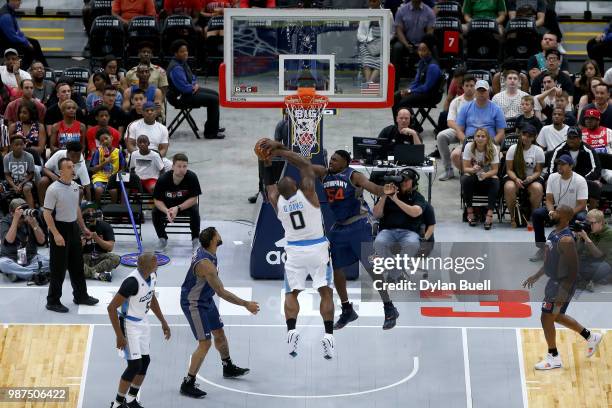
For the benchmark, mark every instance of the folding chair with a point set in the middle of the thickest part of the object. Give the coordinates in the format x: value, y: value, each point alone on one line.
x: 79, y: 74
x: 106, y: 37
x: 423, y: 112
x: 141, y: 29
x: 483, y: 40
x: 184, y: 114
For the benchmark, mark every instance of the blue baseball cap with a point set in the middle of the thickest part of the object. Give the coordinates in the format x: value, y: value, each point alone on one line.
x: 149, y: 105
x: 565, y: 158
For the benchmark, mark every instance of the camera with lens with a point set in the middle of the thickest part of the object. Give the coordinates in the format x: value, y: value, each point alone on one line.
x: 393, y: 178
x: 28, y: 212
x: 581, y: 226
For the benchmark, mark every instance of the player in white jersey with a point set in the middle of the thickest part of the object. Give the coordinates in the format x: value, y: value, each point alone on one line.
x: 128, y: 315
x: 307, y: 249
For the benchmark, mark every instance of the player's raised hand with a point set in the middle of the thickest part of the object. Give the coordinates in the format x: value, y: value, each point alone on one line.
x: 166, y: 330
x: 252, y: 307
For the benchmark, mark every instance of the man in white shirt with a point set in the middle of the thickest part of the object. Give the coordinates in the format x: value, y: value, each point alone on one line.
x: 11, y: 72
x: 565, y: 187
x: 553, y: 135
x: 51, y: 170
x: 510, y: 100
x: 448, y: 136
x: 156, y: 132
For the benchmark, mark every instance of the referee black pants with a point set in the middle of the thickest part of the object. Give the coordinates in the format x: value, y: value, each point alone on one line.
x: 69, y: 256
x: 160, y: 220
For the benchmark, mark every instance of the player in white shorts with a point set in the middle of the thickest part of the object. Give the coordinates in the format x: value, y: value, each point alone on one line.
x: 128, y: 315
x: 307, y: 249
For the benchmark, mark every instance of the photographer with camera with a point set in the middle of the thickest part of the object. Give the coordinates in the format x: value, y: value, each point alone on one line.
x: 594, y: 247
x: 400, y: 211
x: 21, y: 235
x: 98, y: 258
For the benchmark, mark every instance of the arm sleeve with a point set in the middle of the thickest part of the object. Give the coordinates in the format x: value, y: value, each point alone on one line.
x: 583, y: 189
x: 179, y: 79
x: 195, y: 191
x: 467, y: 152
x: 30, y: 159
x: 159, y: 163
x: 500, y: 120
x: 107, y: 232
x: 129, y: 287
x: 165, y: 139
x: 50, y: 199
x: 51, y: 164
x: 510, y: 152
x: 431, y: 79
x: 158, y: 190
x: 462, y: 115
x: 540, y: 157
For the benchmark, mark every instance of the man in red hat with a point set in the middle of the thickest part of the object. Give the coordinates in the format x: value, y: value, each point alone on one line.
x: 596, y: 136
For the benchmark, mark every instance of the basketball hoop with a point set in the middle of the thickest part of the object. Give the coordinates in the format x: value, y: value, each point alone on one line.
x: 305, y: 109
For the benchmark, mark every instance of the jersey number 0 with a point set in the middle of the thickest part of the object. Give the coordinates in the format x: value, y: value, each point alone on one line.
x: 297, y: 220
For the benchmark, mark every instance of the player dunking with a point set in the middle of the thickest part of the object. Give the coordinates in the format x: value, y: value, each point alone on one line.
x: 561, y: 266
x: 200, y: 285
x: 351, y: 236
x: 307, y: 249
x: 135, y: 297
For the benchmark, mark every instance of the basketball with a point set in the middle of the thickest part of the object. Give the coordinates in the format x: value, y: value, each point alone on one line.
x: 262, y: 149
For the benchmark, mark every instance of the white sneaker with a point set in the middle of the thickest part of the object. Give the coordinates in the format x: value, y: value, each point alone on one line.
x: 593, y: 342
x: 328, y: 344
x: 549, y: 362
x: 161, y: 244
x: 292, y: 342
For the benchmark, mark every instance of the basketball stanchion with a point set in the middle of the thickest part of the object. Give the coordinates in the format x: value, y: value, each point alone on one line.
x: 131, y: 259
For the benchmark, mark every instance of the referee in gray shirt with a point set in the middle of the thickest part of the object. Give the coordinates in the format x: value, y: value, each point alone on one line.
x: 66, y: 251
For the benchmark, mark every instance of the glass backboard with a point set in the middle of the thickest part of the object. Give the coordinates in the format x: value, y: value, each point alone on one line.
x: 343, y: 54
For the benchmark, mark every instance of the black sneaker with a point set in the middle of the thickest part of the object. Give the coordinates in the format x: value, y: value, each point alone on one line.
x: 347, y: 316
x: 217, y: 135
x: 253, y: 199
x: 391, y: 315
x: 134, y: 404
x: 58, y: 308
x: 89, y: 301
x: 119, y: 406
x: 233, y: 371
x: 190, y: 389
x: 105, y: 276
x: 435, y: 154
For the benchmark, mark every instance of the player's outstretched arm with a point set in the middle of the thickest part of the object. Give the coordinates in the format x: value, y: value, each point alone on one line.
x: 359, y: 180
x: 207, y: 270
x: 160, y: 316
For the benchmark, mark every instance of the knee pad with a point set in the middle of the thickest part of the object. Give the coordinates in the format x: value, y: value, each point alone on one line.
x: 146, y: 360
x: 134, y: 366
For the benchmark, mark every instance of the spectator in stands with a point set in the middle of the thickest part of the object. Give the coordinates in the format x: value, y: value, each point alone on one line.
x: 69, y: 129
x: 370, y: 47
x: 479, y: 113
x: 400, y: 214
x: 152, y: 93
x: 589, y: 95
x: 454, y: 134
x: 98, y: 257
x: 125, y: 10
x: 19, y: 171
x: 588, y: 71
x: 597, y: 136
x: 425, y: 89
x: 137, y: 101
x: 7, y: 94
x: 184, y: 89
x: 29, y: 127
x: 562, y: 101
x: 602, y: 104
x: 510, y: 100
x: 554, y: 134
x: 524, y: 162
x: 73, y: 151
x: 43, y: 88
x: 106, y: 162
x: 498, y: 83
x: 537, y: 63
x: 527, y: 115
x: 110, y: 67
x: 102, y: 115
x: 54, y: 112
x: 595, y: 249
x: 11, y: 72
x: 563, y: 188
x: 480, y: 167
x: 545, y: 101
x: 15, y: 38
x: 601, y: 46
x: 401, y: 133
x: 528, y: 8
x: 94, y: 98
x: 586, y: 162
x: 176, y: 194
x: 27, y: 95
x: 489, y: 9
x: 183, y: 7
x: 20, y: 232
x: 455, y: 88
x: 157, y: 75
x: 118, y: 117
x: 157, y: 133
x: 147, y: 164
x: 561, y: 79
x: 412, y: 22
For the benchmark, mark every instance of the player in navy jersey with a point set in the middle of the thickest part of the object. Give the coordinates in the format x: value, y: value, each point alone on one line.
x: 201, y: 284
x: 561, y: 267
x: 351, y: 235
x: 135, y: 297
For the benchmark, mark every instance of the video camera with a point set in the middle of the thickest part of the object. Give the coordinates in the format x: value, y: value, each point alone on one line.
x: 581, y: 226
x: 398, y: 176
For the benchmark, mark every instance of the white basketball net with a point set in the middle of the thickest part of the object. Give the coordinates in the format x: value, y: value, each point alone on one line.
x: 305, y: 110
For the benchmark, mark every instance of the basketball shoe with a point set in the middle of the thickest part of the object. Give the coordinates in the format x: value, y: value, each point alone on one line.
x: 190, y: 388
x: 328, y: 345
x: 593, y: 342
x: 348, y: 315
x: 292, y: 342
x: 549, y: 362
